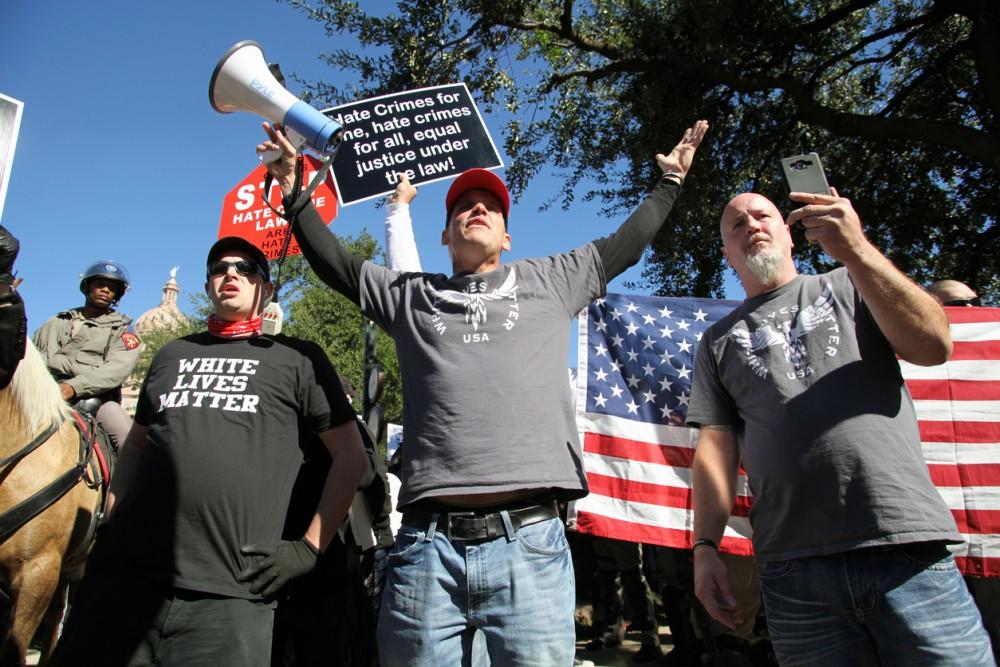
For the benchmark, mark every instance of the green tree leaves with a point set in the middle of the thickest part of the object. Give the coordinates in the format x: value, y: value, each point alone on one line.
x: 315, y: 312
x: 901, y: 100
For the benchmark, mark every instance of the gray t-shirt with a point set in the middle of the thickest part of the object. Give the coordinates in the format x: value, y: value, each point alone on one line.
x: 827, y: 431
x: 483, y: 357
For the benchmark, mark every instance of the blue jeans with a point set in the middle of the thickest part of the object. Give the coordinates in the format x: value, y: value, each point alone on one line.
x: 901, y: 605
x: 518, y: 590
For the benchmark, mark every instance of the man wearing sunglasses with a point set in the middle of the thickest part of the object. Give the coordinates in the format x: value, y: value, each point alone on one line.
x: 187, y: 567
x: 953, y: 293
x: 491, y: 440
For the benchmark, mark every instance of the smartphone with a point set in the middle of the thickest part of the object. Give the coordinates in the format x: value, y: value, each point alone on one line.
x: 804, y: 173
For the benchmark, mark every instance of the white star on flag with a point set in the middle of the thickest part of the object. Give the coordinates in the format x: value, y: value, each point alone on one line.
x: 637, y: 453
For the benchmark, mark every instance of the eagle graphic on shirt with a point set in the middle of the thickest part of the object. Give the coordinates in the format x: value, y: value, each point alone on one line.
x: 475, y: 304
x: 790, y: 337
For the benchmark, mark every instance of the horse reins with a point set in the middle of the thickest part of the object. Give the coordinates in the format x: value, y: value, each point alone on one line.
x: 32, y: 506
x: 31, y: 446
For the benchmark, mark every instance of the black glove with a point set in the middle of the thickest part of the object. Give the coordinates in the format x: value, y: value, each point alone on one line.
x: 8, y: 253
x: 278, y: 564
x: 375, y: 582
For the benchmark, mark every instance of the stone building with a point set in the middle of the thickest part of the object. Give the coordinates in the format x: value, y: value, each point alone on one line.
x: 164, y: 316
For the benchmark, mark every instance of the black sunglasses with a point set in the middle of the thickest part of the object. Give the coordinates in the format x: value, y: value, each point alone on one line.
x: 243, y: 267
x: 974, y: 301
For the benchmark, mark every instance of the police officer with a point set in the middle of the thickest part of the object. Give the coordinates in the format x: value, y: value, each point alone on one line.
x: 91, y: 350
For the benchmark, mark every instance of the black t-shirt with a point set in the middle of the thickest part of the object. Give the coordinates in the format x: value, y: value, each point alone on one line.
x: 222, y: 454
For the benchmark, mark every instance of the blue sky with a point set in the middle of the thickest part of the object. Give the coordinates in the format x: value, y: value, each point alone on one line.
x: 121, y: 156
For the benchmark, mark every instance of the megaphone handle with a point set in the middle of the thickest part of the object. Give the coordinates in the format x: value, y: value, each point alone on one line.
x: 267, y: 157
x: 294, y: 138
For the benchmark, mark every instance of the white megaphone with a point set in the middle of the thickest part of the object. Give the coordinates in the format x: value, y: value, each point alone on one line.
x: 242, y: 82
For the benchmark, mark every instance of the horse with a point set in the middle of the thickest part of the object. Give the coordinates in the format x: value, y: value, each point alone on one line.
x: 44, y: 458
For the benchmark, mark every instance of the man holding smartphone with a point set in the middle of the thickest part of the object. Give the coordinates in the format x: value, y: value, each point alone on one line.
x: 800, y: 385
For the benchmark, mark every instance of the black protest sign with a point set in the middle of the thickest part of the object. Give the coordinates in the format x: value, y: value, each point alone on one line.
x: 430, y: 134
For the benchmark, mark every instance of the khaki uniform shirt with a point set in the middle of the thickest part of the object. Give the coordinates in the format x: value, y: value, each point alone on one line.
x: 94, y: 356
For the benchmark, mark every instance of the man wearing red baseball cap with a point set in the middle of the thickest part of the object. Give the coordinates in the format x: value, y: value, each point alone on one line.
x: 491, y: 440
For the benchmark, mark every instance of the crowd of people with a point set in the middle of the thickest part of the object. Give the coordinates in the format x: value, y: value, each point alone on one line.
x: 245, y: 455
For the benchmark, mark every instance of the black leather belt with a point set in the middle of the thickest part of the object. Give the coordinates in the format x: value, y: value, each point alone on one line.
x: 479, y: 526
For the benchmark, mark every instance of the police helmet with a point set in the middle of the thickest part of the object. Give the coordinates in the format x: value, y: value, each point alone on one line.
x: 108, y: 269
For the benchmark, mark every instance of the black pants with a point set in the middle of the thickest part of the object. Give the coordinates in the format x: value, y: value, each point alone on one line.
x: 621, y: 560
x: 123, y: 621
x: 986, y: 592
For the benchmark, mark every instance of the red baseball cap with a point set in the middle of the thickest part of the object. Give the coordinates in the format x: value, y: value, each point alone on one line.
x: 478, y: 179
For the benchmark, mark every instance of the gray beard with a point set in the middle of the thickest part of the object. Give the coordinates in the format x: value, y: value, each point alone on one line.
x: 766, y: 265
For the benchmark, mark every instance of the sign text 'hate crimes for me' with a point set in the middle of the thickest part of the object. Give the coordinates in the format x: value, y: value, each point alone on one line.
x: 391, y: 154
x: 427, y: 134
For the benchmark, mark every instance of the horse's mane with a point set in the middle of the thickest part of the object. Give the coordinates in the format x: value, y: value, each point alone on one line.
x: 34, y: 393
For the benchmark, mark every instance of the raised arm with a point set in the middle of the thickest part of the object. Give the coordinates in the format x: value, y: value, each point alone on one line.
x: 625, y: 247
x: 910, y: 318
x: 332, y: 262
x: 400, y: 246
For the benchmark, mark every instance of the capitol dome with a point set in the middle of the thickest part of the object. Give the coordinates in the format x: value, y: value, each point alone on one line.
x: 166, y: 315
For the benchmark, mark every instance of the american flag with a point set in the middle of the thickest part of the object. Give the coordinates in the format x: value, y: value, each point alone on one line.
x: 636, y: 359
x: 958, y: 410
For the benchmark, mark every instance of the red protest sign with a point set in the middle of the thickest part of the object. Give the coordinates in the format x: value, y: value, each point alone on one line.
x: 244, y: 213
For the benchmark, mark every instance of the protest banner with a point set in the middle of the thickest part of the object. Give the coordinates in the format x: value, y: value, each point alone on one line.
x: 10, y: 124
x: 245, y: 214
x: 429, y: 133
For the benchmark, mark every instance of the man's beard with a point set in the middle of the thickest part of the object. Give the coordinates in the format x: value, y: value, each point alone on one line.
x: 767, y: 265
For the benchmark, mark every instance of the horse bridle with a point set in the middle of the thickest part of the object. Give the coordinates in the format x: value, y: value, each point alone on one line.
x: 32, y: 506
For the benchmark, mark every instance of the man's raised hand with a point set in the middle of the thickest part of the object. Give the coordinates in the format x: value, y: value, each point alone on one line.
x: 831, y: 221
x: 679, y: 160
x: 404, y: 192
x: 283, y: 169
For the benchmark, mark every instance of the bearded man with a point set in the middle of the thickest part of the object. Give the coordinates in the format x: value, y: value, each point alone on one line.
x: 800, y: 384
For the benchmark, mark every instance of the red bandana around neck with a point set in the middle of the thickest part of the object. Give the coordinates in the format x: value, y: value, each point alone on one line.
x: 225, y: 329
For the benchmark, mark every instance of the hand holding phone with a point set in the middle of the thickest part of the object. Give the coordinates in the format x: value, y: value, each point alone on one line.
x: 804, y: 173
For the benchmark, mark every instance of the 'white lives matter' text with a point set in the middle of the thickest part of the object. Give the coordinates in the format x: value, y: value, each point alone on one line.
x: 214, y: 383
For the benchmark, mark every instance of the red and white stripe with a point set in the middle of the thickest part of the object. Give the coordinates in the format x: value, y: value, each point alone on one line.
x: 958, y: 409
x: 640, y: 476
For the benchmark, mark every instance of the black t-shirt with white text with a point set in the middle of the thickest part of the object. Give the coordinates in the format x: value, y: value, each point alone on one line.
x: 222, y: 454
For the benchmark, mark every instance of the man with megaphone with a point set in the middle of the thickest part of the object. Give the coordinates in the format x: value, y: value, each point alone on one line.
x: 491, y: 439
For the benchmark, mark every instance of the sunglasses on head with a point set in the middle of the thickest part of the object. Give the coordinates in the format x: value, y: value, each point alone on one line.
x: 243, y: 267
x: 974, y: 301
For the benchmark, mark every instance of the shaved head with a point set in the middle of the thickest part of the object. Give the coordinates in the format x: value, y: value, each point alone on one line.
x: 950, y: 290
